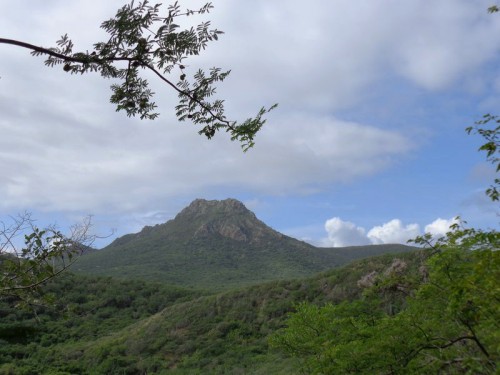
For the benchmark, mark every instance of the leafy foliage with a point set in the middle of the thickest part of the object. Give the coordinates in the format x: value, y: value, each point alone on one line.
x: 491, y: 147
x: 46, y: 253
x: 448, y: 323
x: 111, y: 326
x: 144, y: 37
x: 493, y: 9
x: 85, y: 308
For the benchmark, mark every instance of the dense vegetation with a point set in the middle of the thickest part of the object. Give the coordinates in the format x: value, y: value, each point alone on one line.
x: 105, y: 326
x: 83, y: 309
x: 443, y: 319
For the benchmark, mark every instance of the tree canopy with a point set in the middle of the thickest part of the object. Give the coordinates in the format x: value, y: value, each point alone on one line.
x: 442, y: 318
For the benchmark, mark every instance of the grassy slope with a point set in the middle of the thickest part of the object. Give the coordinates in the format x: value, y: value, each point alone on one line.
x: 223, y: 333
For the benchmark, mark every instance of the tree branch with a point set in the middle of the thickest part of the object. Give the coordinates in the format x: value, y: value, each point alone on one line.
x: 40, y: 282
x: 200, y: 103
x: 98, y: 60
x: 429, y: 346
x: 47, y: 51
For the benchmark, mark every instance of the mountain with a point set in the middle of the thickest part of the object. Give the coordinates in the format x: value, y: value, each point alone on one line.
x: 217, y: 245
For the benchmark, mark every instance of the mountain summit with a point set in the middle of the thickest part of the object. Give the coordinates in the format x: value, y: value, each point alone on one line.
x: 228, y: 218
x: 203, y: 207
x: 216, y: 245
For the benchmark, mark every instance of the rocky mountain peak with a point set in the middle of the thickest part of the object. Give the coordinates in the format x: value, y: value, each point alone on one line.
x: 205, y: 208
x: 228, y: 218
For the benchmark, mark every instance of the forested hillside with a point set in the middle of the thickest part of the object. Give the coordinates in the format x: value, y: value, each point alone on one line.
x: 103, y: 326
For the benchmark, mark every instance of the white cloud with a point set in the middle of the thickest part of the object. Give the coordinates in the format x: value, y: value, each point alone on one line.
x: 393, y: 232
x: 63, y: 148
x: 104, y: 166
x: 344, y: 233
x: 440, y: 227
x: 439, y: 45
x: 326, y: 61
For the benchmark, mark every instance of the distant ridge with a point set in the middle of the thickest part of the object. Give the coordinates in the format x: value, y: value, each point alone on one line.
x: 217, y: 245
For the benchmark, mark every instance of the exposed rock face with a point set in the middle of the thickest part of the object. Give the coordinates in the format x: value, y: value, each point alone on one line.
x: 224, y: 229
x: 202, y: 207
x: 228, y: 218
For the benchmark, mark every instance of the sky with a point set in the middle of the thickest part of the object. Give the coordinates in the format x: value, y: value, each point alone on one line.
x: 367, y: 145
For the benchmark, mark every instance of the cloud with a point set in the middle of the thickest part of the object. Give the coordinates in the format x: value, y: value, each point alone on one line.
x: 325, y: 61
x: 344, y: 233
x: 438, y: 46
x: 63, y: 148
x: 99, y: 165
x: 393, y: 232
x: 440, y: 227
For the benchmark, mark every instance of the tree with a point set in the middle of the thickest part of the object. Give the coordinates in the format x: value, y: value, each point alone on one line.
x: 447, y: 322
x: 46, y: 253
x: 140, y: 39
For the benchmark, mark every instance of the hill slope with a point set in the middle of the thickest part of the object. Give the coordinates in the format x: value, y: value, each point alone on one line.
x: 217, y: 245
x: 225, y: 333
